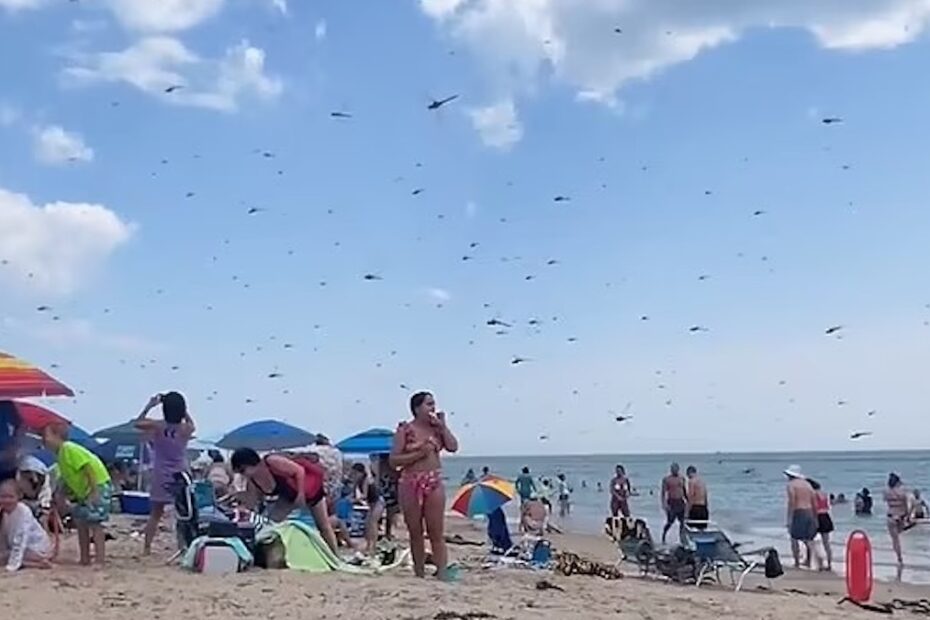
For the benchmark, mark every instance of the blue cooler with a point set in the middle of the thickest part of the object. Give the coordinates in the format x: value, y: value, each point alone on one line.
x: 134, y: 502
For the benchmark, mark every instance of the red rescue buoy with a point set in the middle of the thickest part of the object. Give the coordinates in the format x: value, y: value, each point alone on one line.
x: 859, y: 567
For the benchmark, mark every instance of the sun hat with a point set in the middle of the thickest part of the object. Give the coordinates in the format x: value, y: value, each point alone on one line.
x: 794, y: 471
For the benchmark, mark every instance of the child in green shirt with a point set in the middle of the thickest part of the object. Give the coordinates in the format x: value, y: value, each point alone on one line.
x: 86, y: 482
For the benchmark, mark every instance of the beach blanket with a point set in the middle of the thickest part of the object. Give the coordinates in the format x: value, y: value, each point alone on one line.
x: 305, y: 550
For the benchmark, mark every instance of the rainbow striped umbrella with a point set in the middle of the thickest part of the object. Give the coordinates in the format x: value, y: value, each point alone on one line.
x: 20, y: 379
x: 483, y: 497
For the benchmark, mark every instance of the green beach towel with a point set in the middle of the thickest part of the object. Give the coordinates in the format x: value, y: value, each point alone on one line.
x: 305, y: 550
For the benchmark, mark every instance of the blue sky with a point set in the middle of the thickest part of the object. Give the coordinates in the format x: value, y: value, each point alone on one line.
x: 667, y: 137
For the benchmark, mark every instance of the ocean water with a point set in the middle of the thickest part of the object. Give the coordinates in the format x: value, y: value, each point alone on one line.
x: 747, y: 495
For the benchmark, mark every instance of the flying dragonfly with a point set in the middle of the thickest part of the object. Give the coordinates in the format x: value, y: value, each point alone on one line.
x: 435, y: 104
x: 860, y: 434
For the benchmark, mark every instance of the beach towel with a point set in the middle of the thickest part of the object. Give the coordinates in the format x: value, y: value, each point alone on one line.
x: 305, y: 550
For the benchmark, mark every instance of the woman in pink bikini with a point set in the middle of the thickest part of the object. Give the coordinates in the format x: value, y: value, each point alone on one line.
x: 417, y: 445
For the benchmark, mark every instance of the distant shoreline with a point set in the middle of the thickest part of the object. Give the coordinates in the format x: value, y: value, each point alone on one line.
x: 769, y: 453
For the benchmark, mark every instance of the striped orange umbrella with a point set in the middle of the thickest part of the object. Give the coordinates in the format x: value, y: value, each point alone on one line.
x: 20, y: 379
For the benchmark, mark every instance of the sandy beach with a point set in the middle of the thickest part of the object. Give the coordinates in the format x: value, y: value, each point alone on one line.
x: 133, y: 586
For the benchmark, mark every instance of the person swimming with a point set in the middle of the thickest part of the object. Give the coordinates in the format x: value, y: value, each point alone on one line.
x: 863, y: 504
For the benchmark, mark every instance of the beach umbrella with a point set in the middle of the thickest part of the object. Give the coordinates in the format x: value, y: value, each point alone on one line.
x: 266, y: 435
x: 125, y: 433
x: 372, y: 441
x: 35, y: 417
x: 482, y: 497
x: 20, y: 379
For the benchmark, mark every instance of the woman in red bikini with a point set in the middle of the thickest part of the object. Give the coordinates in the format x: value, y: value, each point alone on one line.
x: 417, y: 445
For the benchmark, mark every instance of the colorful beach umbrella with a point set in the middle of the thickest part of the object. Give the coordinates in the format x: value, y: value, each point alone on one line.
x: 372, y: 441
x: 266, y: 435
x: 20, y: 379
x: 35, y: 417
x: 483, y: 497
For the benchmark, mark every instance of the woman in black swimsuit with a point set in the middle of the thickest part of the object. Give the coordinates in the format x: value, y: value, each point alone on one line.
x: 287, y: 484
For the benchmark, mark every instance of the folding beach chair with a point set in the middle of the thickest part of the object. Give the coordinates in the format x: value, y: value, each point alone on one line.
x: 715, y: 552
x: 634, y: 541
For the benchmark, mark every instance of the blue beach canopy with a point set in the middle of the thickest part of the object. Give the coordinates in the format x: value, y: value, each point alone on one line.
x: 372, y: 441
x: 266, y: 435
x: 125, y: 433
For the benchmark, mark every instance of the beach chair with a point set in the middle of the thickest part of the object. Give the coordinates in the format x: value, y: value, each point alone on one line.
x: 634, y: 541
x: 715, y: 552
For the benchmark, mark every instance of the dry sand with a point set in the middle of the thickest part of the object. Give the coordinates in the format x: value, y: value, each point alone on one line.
x: 135, y: 587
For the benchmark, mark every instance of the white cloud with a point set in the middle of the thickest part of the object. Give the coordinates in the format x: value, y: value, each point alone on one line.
x: 163, y: 15
x: 154, y: 64
x: 280, y: 5
x: 53, y: 248
x: 319, y: 32
x: 575, y: 42
x: 439, y: 295
x: 53, y: 145
x: 498, y: 124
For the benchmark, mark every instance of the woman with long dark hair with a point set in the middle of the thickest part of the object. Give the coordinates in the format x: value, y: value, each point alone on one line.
x: 417, y: 446
x: 169, y: 439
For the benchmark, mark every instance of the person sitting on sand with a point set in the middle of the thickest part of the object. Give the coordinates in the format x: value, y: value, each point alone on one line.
x: 169, y: 439
x: 35, y: 487
x: 534, y: 517
x: 288, y: 484
x: 920, y: 510
x: 824, y: 521
x: 674, y: 494
x: 899, y: 511
x: 619, y: 493
x: 219, y: 474
x: 802, y: 514
x: 698, y: 505
x: 25, y: 544
x: 86, y: 482
x: 863, y: 504
x: 416, y: 452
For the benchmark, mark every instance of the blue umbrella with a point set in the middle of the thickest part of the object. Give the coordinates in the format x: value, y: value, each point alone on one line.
x: 125, y: 433
x: 372, y: 441
x: 266, y: 435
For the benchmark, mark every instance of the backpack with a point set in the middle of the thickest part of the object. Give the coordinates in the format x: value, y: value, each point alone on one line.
x: 773, y: 567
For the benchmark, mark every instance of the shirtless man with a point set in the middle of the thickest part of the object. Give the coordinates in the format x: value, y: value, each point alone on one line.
x: 698, y: 510
x: 674, y: 500
x: 802, y: 514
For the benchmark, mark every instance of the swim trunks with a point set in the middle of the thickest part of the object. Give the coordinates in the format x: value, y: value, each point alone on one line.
x: 699, y: 515
x: 675, y: 510
x: 803, y: 525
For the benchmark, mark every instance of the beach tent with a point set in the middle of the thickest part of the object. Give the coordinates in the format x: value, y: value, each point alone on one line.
x: 372, y: 441
x: 266, y: 435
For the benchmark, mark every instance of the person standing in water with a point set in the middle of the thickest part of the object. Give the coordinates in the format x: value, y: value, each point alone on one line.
x: 698, y: 505
x: 416, y: 450
x: 619, y: 493
x: 824, y: 521
x: 674, y: 494
x: 802, y: 514
x: 169, y: 439
x: 898, y: 501
x: 525, y: 485
x: 564, y: 493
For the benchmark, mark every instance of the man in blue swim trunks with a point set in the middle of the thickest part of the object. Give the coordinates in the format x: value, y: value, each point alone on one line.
x: 802, y: 514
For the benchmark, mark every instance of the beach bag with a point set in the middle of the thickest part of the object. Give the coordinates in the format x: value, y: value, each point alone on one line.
x: 773, y: 567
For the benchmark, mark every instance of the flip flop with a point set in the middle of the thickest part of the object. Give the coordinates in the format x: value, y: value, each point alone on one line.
x: 453, y: 574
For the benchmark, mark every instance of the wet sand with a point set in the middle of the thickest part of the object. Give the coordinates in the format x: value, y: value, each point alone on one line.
x: 133, y: 586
